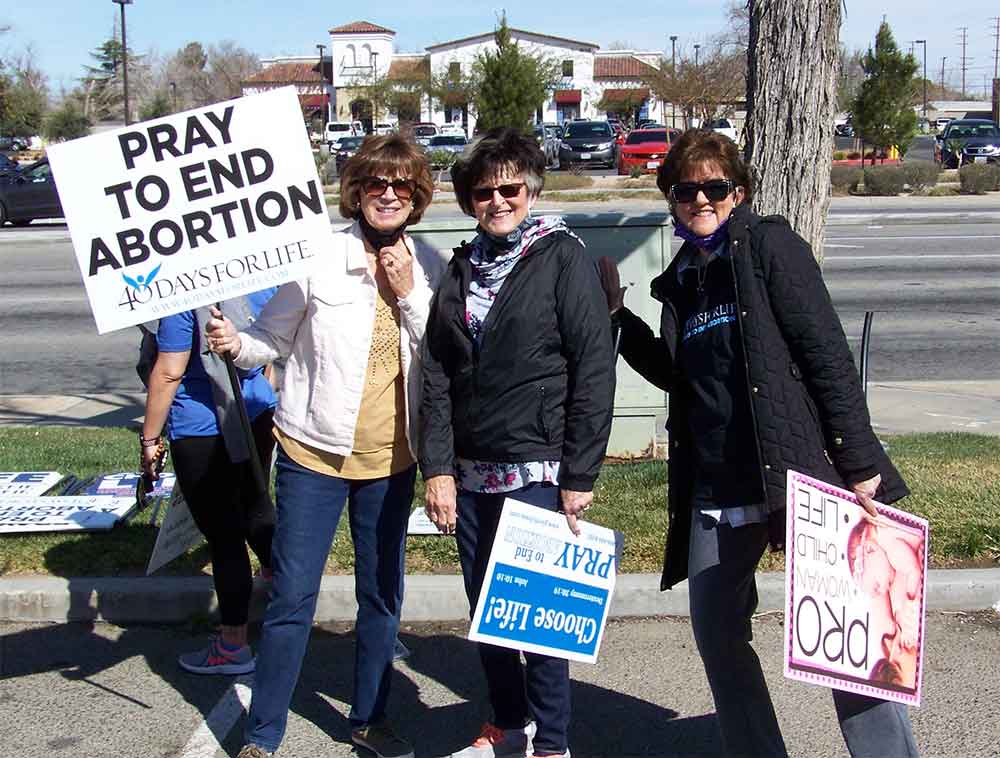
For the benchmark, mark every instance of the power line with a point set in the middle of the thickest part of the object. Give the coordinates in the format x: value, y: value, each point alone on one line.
x: 965, y: 60
x: 996, y: 50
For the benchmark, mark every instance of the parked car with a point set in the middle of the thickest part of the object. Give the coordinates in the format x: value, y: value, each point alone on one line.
x: 843, y: 130
x: 587, y: 143
x: 336, y: 130
x: 967, y: 140
x: 547, y: 136
x: 423, y: 132
x: 724, y: 126
x: 384, y: 128
x: 13, y: 144
x: 448, y: 143
x: 452, y: 130
x: 346, y: 148
x: 9, y: 166
x: 645, y: 149
x: 29, y: 194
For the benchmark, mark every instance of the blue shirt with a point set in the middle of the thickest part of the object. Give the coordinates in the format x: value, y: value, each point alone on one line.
x: 192, y: 414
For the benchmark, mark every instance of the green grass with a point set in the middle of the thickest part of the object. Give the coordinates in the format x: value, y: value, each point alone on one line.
x: 601, y: 196
x: 554, y: 182
x: 955, y: 480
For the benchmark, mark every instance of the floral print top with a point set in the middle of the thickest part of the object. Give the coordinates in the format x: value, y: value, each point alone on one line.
x: 491, y: 265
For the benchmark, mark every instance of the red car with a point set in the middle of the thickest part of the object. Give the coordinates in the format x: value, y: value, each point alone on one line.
x: 645, y: 148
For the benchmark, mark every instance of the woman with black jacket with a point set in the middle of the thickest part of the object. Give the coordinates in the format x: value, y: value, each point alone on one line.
x: 518, y: 384
x: 761, y: 380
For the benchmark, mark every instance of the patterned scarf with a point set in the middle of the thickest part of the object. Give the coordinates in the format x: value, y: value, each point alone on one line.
x: 493, y: 258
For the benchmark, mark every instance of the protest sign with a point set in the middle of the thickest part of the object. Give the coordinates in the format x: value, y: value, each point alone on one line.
x: 546, y: 590
x: 28, y: 482
x: 194, y: 208
x: 178, y: 534
x: 19, y: 514
x: 855, y: 593
x: 124, y: 484
x: 419, y: 524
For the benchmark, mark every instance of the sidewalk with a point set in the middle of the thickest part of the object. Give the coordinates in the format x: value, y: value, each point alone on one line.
x: 896, y: 408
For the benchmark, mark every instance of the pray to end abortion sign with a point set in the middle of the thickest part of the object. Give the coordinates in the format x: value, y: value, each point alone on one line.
x: 194, y: 208
x: 855, y: 593
x: 546, y: 591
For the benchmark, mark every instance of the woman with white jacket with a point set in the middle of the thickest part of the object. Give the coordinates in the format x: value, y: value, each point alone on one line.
x: 345, y: 427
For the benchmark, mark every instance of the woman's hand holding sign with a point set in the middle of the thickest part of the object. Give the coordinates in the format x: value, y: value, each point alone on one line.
x: 222, y: 335
x: 573, y: 505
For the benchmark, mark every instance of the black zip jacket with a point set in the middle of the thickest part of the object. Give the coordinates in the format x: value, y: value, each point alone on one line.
x: 808, y: 408
x: 540, y: 385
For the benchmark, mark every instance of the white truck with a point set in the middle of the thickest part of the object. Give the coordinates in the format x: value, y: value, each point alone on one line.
x: 335, y: 130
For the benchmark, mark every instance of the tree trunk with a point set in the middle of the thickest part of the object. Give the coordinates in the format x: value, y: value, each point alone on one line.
x: 791, y: 103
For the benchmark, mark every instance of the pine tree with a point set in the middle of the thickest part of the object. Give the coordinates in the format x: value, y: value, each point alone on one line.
x: 883, y: 109
x: 510, y: 83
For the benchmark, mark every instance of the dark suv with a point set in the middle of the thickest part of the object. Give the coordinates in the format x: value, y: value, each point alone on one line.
x: 589, y: 143
x: 967, y: 140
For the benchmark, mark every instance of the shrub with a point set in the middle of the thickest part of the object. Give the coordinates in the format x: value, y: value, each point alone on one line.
x: 853, y: 155
x: 839, y: 155
x: 567, y: 181
x: 884, y: 180
x: 441, y: 158
x: 920, y: 174
x: 635, y: 172
x: 978, y: 178
x: 845, y: 179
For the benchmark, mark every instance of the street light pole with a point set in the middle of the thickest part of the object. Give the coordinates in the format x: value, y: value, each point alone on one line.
x: 673, y: 75
x: 123, y: 3
x: 696, y: 48
x: 374, y: 82
x: 924, y: 43
x: 322, y: 85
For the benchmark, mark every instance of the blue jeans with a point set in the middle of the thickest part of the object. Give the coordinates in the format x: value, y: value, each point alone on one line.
x: 518, y: 693
x: 723, y: 597
x: 309, y: 505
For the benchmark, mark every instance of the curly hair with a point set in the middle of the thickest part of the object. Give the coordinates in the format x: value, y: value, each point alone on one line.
x: 391, y: 156
x: 500, y: 150
x: 700, y: 146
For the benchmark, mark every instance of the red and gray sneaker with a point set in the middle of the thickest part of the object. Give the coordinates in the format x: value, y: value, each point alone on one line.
x: 218, y: 659
x: 494, y: 742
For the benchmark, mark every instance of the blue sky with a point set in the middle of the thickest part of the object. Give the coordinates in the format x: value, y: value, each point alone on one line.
x: 62, y: 32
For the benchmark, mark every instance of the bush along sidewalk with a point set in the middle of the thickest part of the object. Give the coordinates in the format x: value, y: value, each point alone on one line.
x: 979, y: 178
x: 955, y: 480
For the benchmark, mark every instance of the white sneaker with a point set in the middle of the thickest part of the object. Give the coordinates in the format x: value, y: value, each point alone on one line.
x: 494, y: 742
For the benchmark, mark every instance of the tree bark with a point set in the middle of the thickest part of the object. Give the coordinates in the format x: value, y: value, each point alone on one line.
x: 791, y: 102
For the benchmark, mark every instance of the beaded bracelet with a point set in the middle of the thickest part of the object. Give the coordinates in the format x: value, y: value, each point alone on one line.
x: 151, y: 442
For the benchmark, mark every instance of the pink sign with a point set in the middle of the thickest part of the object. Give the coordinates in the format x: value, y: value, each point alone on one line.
x: 855, y: 593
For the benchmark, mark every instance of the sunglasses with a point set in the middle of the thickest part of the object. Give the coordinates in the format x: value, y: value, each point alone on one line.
x: 375, y: 186
x: 482, y: 194
x: 715, y: 190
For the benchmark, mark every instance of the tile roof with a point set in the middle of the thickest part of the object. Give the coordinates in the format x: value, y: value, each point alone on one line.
x: 635, y: 94
x: 286, y: 73
x: 360, y: 27
x: 620, y: 67
x: 412, y: 68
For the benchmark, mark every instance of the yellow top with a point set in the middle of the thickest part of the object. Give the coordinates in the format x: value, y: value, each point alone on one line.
x: 380, y: 446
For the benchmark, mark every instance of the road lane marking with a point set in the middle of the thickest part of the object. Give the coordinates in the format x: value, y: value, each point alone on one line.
x: 915, y: 257
x: 926, y: 237
x: 851, y: 247
x: 208, y: 737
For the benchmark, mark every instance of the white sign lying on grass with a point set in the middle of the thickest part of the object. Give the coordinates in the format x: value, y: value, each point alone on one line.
x: 28, y: 482
x: 178, y: 534
x: 20, y: 514
x: 193, y: 208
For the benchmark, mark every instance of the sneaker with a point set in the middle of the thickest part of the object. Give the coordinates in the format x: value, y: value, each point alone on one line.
x: 215, y: 659
x: 381, y: 740
x: 254, y: 751
x: 493, y: 741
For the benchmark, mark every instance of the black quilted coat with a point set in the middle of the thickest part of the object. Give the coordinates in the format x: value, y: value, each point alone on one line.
x: 809, y: 411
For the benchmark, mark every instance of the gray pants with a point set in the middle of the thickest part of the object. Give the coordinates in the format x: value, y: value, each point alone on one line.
x: 723, y: 597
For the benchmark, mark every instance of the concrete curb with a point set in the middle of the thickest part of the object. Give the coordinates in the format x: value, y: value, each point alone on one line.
x: 428, y: 597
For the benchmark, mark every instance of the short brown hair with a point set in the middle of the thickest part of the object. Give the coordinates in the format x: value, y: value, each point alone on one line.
x: 388, y: 155
x: 702, y: 146
x: 499, y: 149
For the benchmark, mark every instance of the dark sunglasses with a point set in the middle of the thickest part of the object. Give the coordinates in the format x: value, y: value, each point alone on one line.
x: 482, y: 194
x: 375, y: 186
x: 715, y: 190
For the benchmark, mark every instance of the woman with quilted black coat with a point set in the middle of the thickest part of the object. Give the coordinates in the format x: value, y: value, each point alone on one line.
x: 761, y: 380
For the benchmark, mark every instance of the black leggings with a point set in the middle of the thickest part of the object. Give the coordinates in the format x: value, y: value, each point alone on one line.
x: 229, y: 510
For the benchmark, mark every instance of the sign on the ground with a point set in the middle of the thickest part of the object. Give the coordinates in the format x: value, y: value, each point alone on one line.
x: 419, y: 524
x: 178, y: 534
x: 124, y: 484
x: 855, y: 593
x: 28, y: 482
x: 20, y: 514
x: 546, y: 591
x: 193, y: 208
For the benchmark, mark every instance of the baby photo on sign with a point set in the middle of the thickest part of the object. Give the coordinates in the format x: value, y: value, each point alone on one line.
x: 855, y: 593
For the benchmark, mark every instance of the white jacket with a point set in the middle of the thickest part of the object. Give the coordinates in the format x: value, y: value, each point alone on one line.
x: 323, y: 325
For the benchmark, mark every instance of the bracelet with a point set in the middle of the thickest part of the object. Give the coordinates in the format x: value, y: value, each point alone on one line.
x: 151, y: 442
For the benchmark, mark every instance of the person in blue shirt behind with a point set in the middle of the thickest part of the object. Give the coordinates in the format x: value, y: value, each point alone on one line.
x: 190, y: 395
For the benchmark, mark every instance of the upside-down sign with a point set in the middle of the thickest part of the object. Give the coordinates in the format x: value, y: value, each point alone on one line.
x: 194, y: 208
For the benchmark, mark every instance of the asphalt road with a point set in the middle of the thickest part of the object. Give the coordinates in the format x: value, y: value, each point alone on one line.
x: 935, y: 286
x: 108, y: 691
